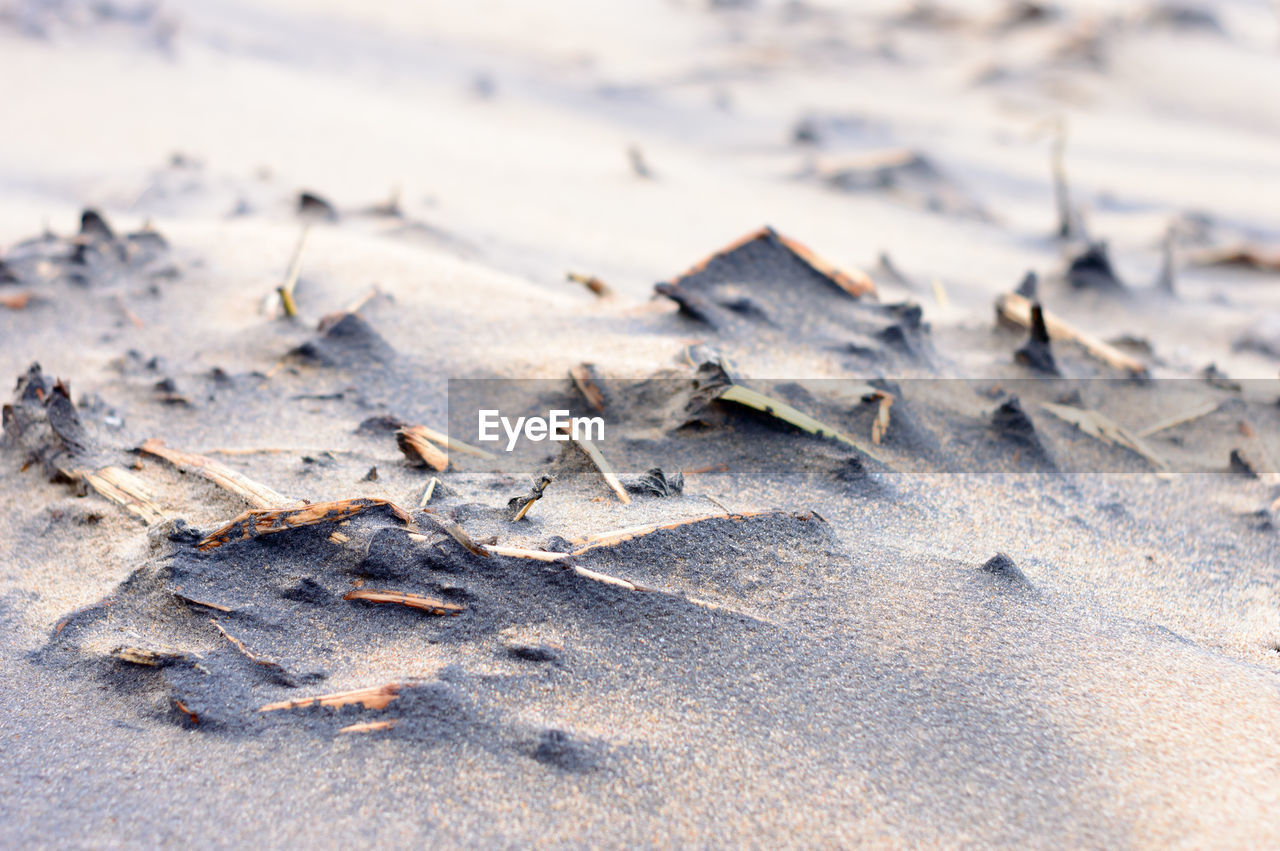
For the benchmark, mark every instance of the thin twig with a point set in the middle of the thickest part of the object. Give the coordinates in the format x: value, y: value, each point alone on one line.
x: 291, y: 279
x: 431, y: 605
x: 1016, y: 310
x: 253, y: 493
x: 602, y: 464
x: 372, y: 697
x: 1181, y: 419
x: 428, y: 491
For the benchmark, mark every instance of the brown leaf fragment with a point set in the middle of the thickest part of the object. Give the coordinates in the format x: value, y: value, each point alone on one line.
x: 430, y: 605
x: 182, y: 707
x: 1241, y: 256
x: 591, y: 282
x: 254, y: 523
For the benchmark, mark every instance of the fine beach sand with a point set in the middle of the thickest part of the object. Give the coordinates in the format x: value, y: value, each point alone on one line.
x: 806, y: 643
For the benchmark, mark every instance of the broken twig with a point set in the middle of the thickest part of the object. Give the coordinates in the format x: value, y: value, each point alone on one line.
x: 291, y: 278
x: 372, y: 697
x: 253, y: 493
x: 430, y: 605
x: 258, y: 522
x: 1098, y: 425
x: 606, y: 470
x: 1016, y: 310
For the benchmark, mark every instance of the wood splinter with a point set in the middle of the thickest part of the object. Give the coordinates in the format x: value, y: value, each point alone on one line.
x: 369, y: 726
x: 255, y: 494
x: 254, y: 523
x: 606, y: 470
x: 371, y: 697
x: 286, y: 289
x: 1016, y: 310
x: 430, y: 605
x: 519, y: 505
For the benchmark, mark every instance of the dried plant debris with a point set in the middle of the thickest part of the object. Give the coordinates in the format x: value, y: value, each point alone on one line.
x: 290, y: 283
x: 253, y: 524
x: 597, y: 287
x: 430, y: 605
x: 588, y: 383
x: 298, y: 623
x: 1243, y: 256
x: 1102, y: 427
x: 1015, y: 310
x: 316, y: 208
x: 766, y: 291
x: 1091, y: 270
x: 96, y: 258
x: 1035, y: 354
x: 45, y: 427
x: 255, y: 494
x: 518, y: 506
x: 602, y: 464
x: 715, y: 384
x: 419, y: 451
x: 907, y: 175
x: 655, y: 482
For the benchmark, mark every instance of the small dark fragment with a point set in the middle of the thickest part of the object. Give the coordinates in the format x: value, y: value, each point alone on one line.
x: 1219, y: 379
x: 1003, y: 567
x: 518, y: 506
x: 639, y: 166
x: 1013, y: 423
x: 372, y: 475
x: 1183, y: 16
x: 43, y: 422
x: 1092, y: 270
x: 94, y: 226
x: 380, y: 425
x: 561, y: 750
x: 690, y: 305
x: 1241, y: 465
x: 1035, y: 353
x: 656, y: 482
x: 313, y: 206
x: 1030, y: 283
x: 1027, y: 13
x: 533, y: 652
x: 347, y: 341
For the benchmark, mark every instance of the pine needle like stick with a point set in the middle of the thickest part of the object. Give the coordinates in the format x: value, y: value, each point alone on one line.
x: 606, y: 470
x: 291, y: 279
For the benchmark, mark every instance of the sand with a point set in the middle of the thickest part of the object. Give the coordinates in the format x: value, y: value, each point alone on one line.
x: 826, y: 652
